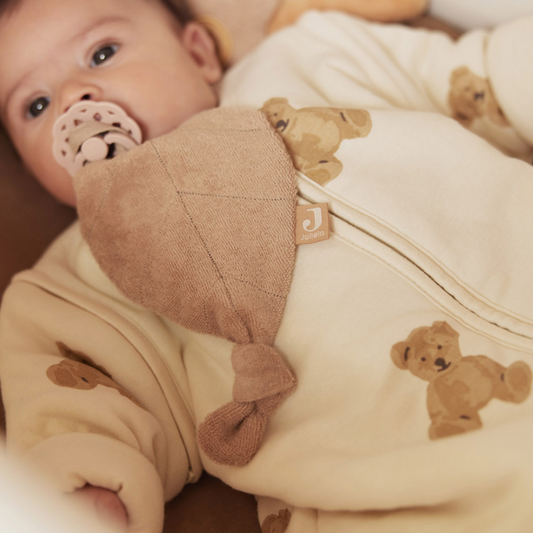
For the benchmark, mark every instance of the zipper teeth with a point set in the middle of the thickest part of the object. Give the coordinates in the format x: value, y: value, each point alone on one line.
x: 429, y: 276
x: 481, y: 316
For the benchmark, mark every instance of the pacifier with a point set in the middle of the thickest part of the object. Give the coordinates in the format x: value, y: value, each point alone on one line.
x: 93, y: 131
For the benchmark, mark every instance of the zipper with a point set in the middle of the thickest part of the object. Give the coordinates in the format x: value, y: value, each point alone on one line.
x: 367, y: 233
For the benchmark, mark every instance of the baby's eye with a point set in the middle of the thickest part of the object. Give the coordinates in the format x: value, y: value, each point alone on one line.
x: 38, y: 106
x: 103, y: 54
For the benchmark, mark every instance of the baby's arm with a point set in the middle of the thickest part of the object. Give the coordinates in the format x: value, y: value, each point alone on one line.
x: 104, y: 503
x: 85, y: 408
x: 482, y: 80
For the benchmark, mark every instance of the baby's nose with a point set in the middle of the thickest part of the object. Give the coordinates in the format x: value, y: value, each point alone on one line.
x: 74, y: 91
x: 86, y: 96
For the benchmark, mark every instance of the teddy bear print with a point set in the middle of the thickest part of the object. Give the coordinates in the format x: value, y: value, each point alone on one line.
x: 78, y: 371
x: 277, y: 523
x: 471, y: 97
x: 312, y: 135
x: 458, y: 386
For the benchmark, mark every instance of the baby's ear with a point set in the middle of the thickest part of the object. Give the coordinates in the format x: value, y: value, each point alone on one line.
x: 198, y: 42
x: 399, y: 354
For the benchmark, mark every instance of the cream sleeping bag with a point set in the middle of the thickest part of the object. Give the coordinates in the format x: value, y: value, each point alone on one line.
x: 409, y: 330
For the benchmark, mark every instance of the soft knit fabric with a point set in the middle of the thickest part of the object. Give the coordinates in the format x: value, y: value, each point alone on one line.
x: 198, y: 226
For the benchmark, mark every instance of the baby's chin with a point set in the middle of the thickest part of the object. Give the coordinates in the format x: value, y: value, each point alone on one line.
x: 62, y: 189
x: 67, y: 198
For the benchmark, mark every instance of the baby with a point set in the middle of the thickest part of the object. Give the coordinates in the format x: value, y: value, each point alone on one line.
x: 107, y: 396
x: 163, y: 74
x: 40, y: 81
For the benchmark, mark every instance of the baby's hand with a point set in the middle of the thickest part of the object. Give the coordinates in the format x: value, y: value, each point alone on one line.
x: 104, y: 503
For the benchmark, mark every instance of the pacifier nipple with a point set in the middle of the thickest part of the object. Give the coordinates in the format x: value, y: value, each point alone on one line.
x: 93, y: 131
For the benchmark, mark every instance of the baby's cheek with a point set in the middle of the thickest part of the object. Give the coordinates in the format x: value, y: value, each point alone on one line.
x: 54, y: 179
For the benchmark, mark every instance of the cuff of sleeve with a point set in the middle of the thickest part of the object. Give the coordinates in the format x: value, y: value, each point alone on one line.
x: 510, y: 66
x: 72, y: 460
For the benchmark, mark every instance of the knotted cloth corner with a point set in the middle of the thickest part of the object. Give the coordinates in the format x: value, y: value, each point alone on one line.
x: 198, y: 226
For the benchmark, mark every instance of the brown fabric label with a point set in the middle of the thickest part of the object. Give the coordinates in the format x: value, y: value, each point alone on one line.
x: 312, y: 223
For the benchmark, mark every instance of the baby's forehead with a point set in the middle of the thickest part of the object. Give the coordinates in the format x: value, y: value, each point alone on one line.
x: 46, y: 26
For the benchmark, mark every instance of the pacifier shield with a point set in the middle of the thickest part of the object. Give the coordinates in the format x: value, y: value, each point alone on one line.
x: 92, y: 131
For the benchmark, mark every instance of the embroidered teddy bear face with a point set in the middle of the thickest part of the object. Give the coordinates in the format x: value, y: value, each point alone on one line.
x: 78, y: 371
x: 459, y: 387
x: 312, y: 135
x: 280, y: 114
x: 471, y: 97
x: 430, y: 352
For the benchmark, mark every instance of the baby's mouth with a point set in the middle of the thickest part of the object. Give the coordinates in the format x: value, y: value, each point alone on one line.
x: 93, y: 131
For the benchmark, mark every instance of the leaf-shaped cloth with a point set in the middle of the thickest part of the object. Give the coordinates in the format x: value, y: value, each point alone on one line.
x: 198, y: 226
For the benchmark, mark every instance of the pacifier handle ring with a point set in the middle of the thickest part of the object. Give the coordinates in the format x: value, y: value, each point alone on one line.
x: 85, y: 111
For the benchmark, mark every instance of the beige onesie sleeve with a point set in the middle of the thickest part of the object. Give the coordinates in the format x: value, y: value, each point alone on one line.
x: 482, y: 80
x: 328, y: 59
x: 83, y: 405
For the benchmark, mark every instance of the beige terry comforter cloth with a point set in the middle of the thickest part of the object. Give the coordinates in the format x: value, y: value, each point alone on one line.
x: 199, y: 227
x: 410, y: 330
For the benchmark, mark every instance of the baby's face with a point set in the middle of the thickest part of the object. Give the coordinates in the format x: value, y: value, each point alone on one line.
x: 54, y: 53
